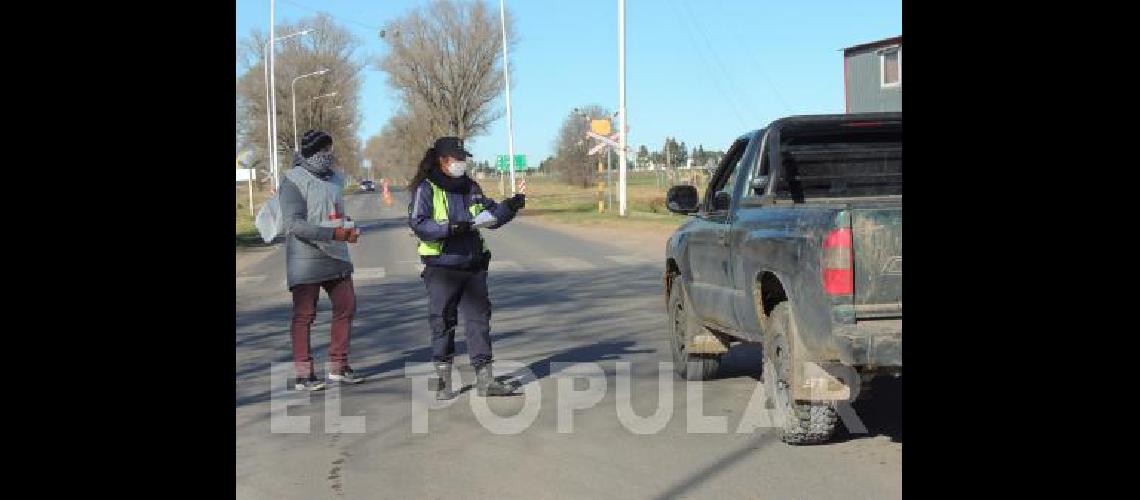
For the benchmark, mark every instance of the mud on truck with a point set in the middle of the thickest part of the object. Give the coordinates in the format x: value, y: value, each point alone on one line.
x: 797, y: 245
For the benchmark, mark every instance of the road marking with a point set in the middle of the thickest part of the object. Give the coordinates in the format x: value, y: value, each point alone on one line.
x: 249, y: 280
x: 368, y: 273
x: 567, y: 264
x: 630, y: 260
x: 506, y: 265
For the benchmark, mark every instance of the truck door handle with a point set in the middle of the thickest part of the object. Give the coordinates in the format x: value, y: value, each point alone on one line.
x: 722, y: 238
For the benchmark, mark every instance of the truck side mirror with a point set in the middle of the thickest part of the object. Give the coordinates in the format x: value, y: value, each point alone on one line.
x: 682, y: 199
x: 721, y: 200
x: 759, y: 184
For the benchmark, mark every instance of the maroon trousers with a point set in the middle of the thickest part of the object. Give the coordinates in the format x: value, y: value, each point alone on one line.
x: 343, y: 297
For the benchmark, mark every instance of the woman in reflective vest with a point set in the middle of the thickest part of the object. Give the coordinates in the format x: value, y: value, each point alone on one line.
x: 446, y: 211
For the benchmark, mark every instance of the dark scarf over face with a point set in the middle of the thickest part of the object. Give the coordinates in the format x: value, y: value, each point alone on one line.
x: 320, y: 164
x: 449, y: 183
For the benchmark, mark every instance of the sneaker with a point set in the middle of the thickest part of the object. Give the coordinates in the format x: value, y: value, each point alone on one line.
x: 308, y: 384
x: 345, y: 377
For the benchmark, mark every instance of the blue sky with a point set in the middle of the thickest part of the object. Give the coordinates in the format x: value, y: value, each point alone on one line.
x: 701, y: 71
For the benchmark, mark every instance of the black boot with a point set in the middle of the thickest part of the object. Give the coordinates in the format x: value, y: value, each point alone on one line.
x: 443, y: 384
x: 486, y: 385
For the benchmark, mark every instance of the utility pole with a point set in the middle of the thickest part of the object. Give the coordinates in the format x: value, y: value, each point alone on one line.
x: 621, y: 106
x: 507, y: 83
x: 273, y: 100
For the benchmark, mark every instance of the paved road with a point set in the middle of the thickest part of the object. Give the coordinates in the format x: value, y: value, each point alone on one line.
x: 557, y: 299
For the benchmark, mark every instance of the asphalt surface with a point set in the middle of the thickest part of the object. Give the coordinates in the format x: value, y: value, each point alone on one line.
x: 556, y: 299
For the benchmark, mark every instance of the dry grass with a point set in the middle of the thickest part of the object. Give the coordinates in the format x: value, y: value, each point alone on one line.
x: 548, y: 196
x: 247, y: 234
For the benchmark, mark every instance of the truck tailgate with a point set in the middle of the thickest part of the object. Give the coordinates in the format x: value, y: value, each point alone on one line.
x: 877, y: 246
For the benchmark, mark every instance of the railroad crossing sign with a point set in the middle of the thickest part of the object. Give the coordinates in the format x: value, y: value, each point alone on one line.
x: 601, y: 127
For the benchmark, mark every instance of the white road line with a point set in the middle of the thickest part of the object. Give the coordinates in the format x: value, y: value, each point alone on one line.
x: 567, y: 264
x: 368, y: 273
x: 249, y: 280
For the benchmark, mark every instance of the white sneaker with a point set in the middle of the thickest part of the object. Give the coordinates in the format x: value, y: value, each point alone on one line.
x: 346, y: 377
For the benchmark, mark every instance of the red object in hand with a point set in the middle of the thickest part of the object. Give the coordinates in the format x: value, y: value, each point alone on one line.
x: 342, y: 234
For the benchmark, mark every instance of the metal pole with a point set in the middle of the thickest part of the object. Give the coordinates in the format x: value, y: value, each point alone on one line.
x: 268, y: 116
x: 250, y: 179
x: 293, y: 91
x: 621, y: 107
x: 609, y: 180
x: 273, y: 98
x: 507, y: 83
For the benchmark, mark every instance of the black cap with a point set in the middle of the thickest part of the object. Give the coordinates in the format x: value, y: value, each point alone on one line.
x: 314, y: 141
x: 451, y: 146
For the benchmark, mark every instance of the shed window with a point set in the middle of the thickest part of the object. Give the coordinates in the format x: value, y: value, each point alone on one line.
x: 891, y: 67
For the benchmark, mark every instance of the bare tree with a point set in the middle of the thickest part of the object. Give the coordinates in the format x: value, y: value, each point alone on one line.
x: 329, y: 46
x: 445, y: 62
x: 572, y: 145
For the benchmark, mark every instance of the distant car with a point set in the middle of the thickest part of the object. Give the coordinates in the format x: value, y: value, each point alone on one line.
x: 367, y: 186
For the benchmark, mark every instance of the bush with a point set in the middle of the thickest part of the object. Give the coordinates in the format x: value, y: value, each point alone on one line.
x: 657, y: 205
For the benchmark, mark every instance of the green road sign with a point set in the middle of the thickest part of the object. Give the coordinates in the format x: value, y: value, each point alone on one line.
x: 501, y: 163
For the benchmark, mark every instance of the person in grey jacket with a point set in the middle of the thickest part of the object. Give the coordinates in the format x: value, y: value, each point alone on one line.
x: 318, y: 232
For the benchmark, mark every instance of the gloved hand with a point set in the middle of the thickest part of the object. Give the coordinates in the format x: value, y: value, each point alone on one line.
x: 515, y: 202
x: 342, y: 234
x: 459, y: 227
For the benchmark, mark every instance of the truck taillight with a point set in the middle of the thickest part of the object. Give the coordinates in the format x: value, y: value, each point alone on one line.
x: 838, y: 275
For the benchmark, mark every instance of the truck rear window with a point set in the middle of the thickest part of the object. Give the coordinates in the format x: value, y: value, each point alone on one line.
x: 841, y: 161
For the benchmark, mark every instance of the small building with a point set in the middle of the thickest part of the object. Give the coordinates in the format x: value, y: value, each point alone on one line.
x: 872, y: 76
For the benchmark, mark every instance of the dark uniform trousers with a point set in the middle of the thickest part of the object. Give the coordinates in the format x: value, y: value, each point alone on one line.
x: 449, y: 292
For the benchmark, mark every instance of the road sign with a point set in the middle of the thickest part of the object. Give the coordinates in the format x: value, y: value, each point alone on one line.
x: 501, y: 163
x: 246, y: 174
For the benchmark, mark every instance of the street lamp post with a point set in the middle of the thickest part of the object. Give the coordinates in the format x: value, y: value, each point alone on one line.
x: 621, y: 109
x: 507, y: 83
x: 293, y: 91
x: 313, y: 100
x: 270, y: 107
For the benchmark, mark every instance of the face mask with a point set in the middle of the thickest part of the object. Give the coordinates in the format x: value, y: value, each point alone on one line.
x: 457, y: 168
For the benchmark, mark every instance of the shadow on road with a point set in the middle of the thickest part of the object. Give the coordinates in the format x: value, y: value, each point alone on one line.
x: 590, y: 315
x: 880, y: 410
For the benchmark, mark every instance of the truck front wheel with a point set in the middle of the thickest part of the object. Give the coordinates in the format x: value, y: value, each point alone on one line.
x: 801, y: 422
x: 682, y: 324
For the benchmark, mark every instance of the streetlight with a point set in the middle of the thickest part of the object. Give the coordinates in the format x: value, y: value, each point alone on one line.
x: 293, y: 91
x: 621, y: 109
x: 311, y: 101
x: 270, y: 106
x: 507, y: 83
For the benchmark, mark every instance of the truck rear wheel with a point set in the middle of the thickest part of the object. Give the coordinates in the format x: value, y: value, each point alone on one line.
x: 801, y: 422
x: 682, y: 324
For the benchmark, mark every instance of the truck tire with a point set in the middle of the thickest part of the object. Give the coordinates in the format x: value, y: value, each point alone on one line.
x: 682, y: 324
x: 801, y: 422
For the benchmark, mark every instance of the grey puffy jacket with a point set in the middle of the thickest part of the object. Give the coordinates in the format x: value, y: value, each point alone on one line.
x: 311, y: 255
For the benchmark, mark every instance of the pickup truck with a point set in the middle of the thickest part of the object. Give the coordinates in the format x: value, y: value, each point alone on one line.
x: 797, y: 245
